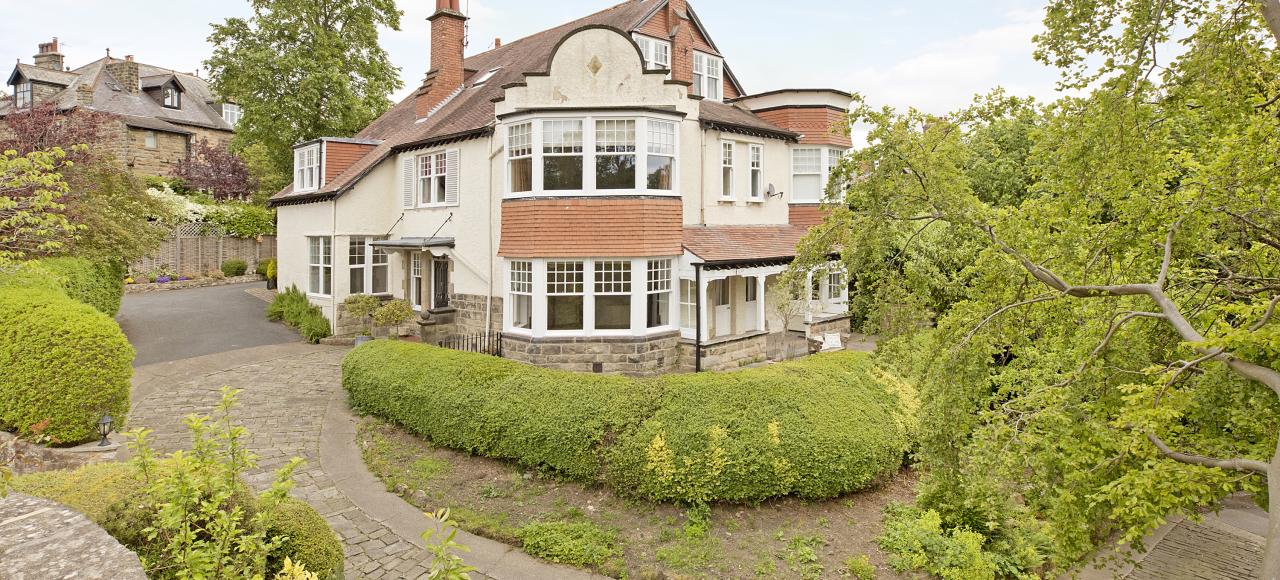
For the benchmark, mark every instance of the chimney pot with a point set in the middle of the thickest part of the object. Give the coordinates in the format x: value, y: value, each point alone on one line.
x: 497, y: 42
x: 48, y: 55
x: 128, y: 58
x: 450, y: 5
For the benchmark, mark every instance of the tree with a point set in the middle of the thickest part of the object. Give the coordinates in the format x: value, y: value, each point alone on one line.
x: 31, y: 191
x: 214, y: 169
x: 303, y: 69
x: 1112, y: 357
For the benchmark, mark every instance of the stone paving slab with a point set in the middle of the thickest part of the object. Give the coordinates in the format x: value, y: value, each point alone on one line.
x: 41, y: 539
x: 293, y: 405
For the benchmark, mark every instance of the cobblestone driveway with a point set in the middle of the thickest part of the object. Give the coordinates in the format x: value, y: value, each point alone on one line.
x: 292, y: 403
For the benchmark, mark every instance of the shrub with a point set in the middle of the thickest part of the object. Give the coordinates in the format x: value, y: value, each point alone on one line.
x: 361, y: 306
x: 261, y: 268
x: 234, y: 267
x: 98, y: 284
x: 916, y: 540
x: 392, y: 313
x: 573, y: 543
x: 293, y: 308
x: 819, y: 427
x: 64, y: 362
x: 271, y: 269
x: 308, y: 540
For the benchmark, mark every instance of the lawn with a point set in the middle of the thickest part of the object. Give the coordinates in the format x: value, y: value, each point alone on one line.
x: 591, y: 527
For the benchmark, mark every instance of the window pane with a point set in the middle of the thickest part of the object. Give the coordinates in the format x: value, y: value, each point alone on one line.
x: 355, y: 251
x: 615, y: 172
x: 520, y: 140
x: 659, y: 309
x: 564, y: 312
x: 357, y: 280
x: 314, y: 286
x: 522, y: 311
x: 380, y: 278
x: 562, y: 173
x: 662, y: 137
x: 522, y: 174
x: 688, y: 306
x: 807, y: 188
x: 522, y: 277
x: 806, y: 160
x: 660, y: 172
x: 755, y: 183
x: 562, y: 137
x: 726, y: 186
x: 613, y: 312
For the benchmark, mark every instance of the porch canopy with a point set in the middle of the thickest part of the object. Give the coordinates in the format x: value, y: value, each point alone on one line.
x: 413, y: 243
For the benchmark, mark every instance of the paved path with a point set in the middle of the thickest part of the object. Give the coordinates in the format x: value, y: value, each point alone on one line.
x: 293, y: 404
x: 45, y: 539
x: 177, y: 324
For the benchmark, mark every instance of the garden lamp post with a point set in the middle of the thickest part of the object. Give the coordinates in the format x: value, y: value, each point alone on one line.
x: 104, y: 429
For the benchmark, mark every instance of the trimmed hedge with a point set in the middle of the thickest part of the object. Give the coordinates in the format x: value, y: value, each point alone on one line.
x: 818, y: 427
x: 98, y: 284
x: 308, y: 540
x: 234, y: 267
x: 293, y: 308
x: 64, y: 362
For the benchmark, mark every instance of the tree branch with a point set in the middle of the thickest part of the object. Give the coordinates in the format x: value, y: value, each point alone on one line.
x: 1238, y: 464
x: 1271, y: 309
x: 1006, y: 308
x: 1271, y: 13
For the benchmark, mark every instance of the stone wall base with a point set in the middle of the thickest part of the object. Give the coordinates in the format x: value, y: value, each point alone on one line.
x: 23, y: 457
x: 726, y: 354
x: 648, y: 355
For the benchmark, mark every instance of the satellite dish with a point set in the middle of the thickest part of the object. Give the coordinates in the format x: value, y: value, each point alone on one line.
x: 773, y: 191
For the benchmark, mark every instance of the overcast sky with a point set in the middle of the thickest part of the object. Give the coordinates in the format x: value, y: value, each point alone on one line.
x: 934, y: 55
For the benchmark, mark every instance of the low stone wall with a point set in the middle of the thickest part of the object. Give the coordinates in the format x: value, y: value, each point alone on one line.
x: 470, y: 313
x: 350, y: 326
x: 629, y: 355
x: 196, y: 283
x: 726, y: 354
x: 23, y: 457
x: 821, y: 326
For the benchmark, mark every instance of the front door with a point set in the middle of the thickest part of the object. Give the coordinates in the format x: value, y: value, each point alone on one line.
x: 723, y: 313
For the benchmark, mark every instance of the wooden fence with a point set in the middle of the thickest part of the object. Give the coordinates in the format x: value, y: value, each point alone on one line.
x: 195, y: 249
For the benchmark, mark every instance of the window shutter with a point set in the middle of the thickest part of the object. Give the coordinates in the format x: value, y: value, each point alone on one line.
x: 451, y: 177
x: 407, y: 166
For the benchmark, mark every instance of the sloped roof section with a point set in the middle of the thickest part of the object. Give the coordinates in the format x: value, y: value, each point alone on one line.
x: 43, y: 75
x: 726, y: 244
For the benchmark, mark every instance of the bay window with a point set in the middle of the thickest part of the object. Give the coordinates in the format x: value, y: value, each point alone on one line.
x: 726, y: 170
x: 616, y: 154
x: 588, y: 155
x: 520, y: 157
x: 707, y: 76
x: 522, y: 295
x: 757, y: 173
x: 564, y: 296
x: 320, y: 265
x: 806, y: 174
x: 613, y: 294
x: 562, y: 154
x: 306, y: 168
x: 658, y: 296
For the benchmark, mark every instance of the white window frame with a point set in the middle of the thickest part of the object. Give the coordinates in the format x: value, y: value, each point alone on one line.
x: 612, y: 277
x: 708, y: 76
x: 540, y: 283
x: 657, y: 53
x: 432, y: 184
x: 23, y: 94
x: 837, y: 286
x: 416, y: 281
x: 563, y: 285
x: 519, y: 284
x: 755, y: 163
x: 321, y: 262
x: 688, y: 306
x: 520, y: 145
x: 149, y: 139
x: 171, y: 97
x: 655, y: 146
x: 612, y: 126
x: 728, y: 173
x: 306, y: 168
x: 642, y: 152
x: 819, y: 170
x: 232, y: 113
x: 371, y: 258
x: 658, y: 275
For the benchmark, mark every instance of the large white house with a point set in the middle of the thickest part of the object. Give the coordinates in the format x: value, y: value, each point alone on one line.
x: 603, y: 193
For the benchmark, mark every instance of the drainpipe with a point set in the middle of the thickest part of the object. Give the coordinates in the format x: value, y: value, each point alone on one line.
x: 488, y: 299
x: 697, y: 316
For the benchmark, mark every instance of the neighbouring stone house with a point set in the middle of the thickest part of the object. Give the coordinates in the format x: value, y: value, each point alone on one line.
x: 159, y: 112
x: 604, y: 193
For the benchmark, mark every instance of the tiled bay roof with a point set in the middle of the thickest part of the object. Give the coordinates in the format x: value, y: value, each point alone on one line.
x: 722, y: 244
x: 471, y: 112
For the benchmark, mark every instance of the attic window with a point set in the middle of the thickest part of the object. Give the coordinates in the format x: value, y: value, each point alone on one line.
x: 172, y: 98
x: 485, y: 77
x: 22, y: 94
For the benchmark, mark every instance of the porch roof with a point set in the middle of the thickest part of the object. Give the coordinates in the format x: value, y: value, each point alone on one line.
x: 742, y: 245
x: 414, y: 243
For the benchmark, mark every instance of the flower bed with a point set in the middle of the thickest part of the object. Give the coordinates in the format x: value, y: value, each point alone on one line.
x: 180, y: 283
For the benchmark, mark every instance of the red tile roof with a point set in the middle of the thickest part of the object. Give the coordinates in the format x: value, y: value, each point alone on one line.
x: 742, y: 243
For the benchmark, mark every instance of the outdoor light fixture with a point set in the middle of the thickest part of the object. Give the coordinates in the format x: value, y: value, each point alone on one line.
x: 104, y: 429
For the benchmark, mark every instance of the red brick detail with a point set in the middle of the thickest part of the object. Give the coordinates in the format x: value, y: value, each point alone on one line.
x: 339, y: 156
x: 819, y: 126
x: 686, y: 40
x: 576, y: 228
x: 806, y: 214
x: 448, y: 35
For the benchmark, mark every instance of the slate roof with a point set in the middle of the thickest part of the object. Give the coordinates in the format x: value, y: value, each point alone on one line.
x: 722, y: 244
x: 470, y: 113
x: 140, y: 109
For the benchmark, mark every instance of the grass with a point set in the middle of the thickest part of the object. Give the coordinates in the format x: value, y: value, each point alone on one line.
x: 574, y: 543
x: 397, y: 465
x: 801, y: 556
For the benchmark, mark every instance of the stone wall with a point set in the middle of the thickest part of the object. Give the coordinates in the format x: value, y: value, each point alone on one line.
x: 23, y: 457
x: 469, y: 315
x: 629, y: 355
x: 822, y: 326
x: 349, y: 326
x: 726, y: 354
x: 169, y: 149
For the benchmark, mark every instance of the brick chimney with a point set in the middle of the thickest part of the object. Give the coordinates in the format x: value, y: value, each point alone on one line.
x: 126, y: 73
x: 48, y: 56
x: 448, y: 39
x: 681, y: 26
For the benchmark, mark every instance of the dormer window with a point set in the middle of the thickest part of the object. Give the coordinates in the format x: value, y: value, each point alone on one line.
x: 172, y: 98
x: 306, y: 168
x: 657, y: 53
x: 22, y: 94
x: 707, y: 76
x: 231, y: 113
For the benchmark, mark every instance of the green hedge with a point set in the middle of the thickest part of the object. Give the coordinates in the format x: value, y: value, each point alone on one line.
x: 308, y: 540
x: 293, y: 308
x: 64, y: 362
x: 98, y: 284
x: 817, y: 428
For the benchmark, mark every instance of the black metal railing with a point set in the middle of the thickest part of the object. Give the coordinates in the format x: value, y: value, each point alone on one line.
x: 482, y: 342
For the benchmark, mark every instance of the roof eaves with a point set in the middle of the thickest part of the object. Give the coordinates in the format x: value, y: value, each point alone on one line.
x: 751, y: 131
x: 302, y: 198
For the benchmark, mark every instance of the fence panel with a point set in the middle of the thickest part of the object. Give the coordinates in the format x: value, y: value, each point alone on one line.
x: 195, y: 249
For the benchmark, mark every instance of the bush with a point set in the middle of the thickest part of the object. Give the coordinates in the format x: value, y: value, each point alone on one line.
x: 271, y: 269
x: 308, y: 540
x: 819, y: 427
x: 65, y: 363
x: 261, y: 268
x: 98, y: 284
x: 234, y: 267
x: 293, y: 308
x: 916, y: 540
x: 573, y: 543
